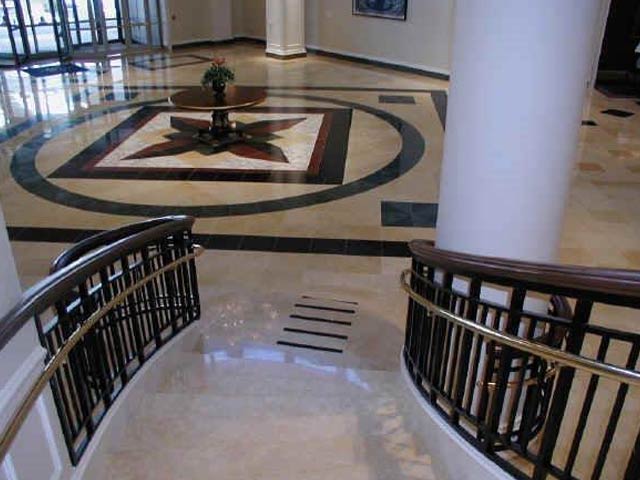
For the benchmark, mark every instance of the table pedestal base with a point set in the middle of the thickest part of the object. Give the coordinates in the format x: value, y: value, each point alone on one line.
x: 221, y: 132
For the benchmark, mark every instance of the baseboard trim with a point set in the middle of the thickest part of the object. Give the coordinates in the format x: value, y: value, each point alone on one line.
x: 430, y: 72
x: 250, y: 39
x: 379, y: 62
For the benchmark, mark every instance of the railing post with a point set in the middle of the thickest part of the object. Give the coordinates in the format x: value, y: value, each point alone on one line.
x: 562, y: 390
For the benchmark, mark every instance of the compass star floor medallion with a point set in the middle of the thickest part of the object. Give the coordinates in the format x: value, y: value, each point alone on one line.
x: 281, y: 145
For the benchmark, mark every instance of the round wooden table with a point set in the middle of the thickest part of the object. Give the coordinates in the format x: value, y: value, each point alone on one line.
x: 221, y: 131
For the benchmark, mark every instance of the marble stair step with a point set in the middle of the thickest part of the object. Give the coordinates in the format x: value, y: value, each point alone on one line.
x: 210, y: 406
x: 206, y: 374
x: 366, y: 457
x: 155, y: 432
x: 355, y: 354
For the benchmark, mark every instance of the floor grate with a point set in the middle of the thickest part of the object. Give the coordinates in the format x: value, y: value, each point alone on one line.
x: 327, y: 311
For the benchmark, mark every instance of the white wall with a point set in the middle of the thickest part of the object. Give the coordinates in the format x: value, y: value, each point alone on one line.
x: 249, y: 18
x: 198, y: 21
x: 38, y: 451
x: 423, y: 41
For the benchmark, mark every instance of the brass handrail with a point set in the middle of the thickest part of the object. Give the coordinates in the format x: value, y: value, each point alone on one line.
x: 603, y: 369
x: 20, y: 414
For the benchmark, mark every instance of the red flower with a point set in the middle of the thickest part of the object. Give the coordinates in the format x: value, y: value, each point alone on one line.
x: 218, y: 61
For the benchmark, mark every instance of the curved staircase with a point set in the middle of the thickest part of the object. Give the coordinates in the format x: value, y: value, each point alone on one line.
x: 503, y: 369
x: 252, y: 409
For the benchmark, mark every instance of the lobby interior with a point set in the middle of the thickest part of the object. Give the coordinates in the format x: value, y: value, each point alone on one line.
x: 312, y: 217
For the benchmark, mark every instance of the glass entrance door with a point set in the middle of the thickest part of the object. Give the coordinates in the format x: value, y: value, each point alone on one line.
x: 33, y: 29
x: 112, y: 26
x: 11, y: 34
x: 48, y: 28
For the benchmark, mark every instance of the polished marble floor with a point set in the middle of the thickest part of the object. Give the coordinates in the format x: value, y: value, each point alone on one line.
x: 282, y: 219
x: 74, y: 158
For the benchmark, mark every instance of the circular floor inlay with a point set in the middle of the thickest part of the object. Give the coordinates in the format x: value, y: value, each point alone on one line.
x: 24, y: 171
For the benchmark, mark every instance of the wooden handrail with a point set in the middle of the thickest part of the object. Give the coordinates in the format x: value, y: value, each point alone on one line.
x: 106, y: 238
x: 613, y: 286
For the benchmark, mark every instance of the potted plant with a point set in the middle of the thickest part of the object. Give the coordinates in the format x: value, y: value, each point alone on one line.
x: 218, y: 75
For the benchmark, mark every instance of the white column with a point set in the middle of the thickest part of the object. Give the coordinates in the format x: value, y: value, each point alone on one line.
x: 519, y: 77
x: 285, y: 28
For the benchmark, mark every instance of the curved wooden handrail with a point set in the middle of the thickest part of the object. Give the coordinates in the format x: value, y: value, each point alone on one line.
x: 613, y: 286
x: 56, y: 286
x: 106, y: 238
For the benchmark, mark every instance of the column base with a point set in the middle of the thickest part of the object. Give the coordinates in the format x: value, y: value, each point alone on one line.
x: 288, y: 56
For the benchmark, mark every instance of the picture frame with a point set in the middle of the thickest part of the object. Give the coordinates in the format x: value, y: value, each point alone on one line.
x: 389, y: 9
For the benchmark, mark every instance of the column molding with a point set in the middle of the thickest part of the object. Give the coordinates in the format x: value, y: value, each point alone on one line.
x: 285, y: 29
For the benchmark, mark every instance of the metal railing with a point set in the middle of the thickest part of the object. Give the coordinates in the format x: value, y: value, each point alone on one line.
x: 110, y: 303
x: 541, y: 392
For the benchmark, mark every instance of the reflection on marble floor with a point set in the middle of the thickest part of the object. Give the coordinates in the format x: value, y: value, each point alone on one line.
x: 602, y: 225
x: 348, y: 406
x: 273, y: 412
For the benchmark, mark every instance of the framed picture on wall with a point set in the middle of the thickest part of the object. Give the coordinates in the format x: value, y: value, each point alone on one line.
x: 393, y: 9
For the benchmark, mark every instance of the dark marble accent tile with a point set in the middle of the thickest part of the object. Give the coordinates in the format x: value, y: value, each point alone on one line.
x: 397, y: 99
x: 218, y: 242
x: 54, y: 70
x: 293, y: 245
x: 589, y: 123
x: 365, y: 248
x: 257, y: 243
x: 395, y: 249
x: 308, y: 347
x: 48, y: 235
x: 617, y: 113
x: 440, y: 99
x: 336, y: 246
x: 409, y: 214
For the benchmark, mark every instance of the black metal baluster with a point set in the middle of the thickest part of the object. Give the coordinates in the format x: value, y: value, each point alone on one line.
x: 152, y: 296
x: 623, y: 389
x: 133, y: 317
x: 562, y: 389
x: 113, y: 322
x: 586, y: 409
x: 475, y: 364
x: 633, y: 467
x: 170, y: 285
